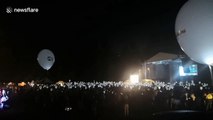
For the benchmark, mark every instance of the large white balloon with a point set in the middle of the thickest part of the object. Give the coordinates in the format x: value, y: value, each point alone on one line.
x: 46, y: 59
x: 194, y: 30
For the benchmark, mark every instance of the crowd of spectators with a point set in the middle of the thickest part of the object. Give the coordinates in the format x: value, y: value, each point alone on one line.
x: 109, y: 99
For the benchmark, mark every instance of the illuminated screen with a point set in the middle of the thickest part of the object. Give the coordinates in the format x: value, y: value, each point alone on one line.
x: 189, y: 70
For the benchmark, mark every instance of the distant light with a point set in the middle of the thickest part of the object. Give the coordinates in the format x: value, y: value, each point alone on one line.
x: 68, y: 108
x: 61, y: 83
x: 134, y: 79
x: 21, y: 84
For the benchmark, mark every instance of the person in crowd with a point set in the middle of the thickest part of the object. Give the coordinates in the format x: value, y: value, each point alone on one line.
x: 126, y: 105
x: 209, y: 99
x: 3, y: 98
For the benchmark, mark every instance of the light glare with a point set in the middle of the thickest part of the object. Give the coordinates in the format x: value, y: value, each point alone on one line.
x: 209, y: 61
x: 134, y: 79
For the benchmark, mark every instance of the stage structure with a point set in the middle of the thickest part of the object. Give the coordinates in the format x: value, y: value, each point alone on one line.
x: 167, y: 67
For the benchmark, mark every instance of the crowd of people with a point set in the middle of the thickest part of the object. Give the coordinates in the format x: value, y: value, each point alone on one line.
x: 104, y: 99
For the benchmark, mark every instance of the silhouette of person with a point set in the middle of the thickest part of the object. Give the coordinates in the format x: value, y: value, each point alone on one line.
x: 126, y: 105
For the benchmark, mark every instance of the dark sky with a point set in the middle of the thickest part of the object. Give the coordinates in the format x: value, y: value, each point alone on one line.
x: 91, y: 39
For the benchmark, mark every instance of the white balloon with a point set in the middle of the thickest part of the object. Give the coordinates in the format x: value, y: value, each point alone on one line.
x: 46, y: 59
x: 194, y: 30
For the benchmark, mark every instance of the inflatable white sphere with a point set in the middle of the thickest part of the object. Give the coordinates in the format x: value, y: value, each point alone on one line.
x: 46, y: 59
x: 194, y: 30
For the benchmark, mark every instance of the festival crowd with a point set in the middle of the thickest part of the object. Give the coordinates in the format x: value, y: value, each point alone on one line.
x: 104, y: 99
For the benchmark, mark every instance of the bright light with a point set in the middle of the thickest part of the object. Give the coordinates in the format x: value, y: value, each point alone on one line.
x: 134, y: 79
x: 21, y: 84
x: 61, y: 83
x: 209, y: 61
x: 181, y: 71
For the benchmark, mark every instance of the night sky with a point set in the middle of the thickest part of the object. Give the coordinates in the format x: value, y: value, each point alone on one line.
x: 91, y: 39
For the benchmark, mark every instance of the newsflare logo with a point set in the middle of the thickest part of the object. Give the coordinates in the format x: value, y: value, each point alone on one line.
x: 9, y: 10
x: 21, y: 10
